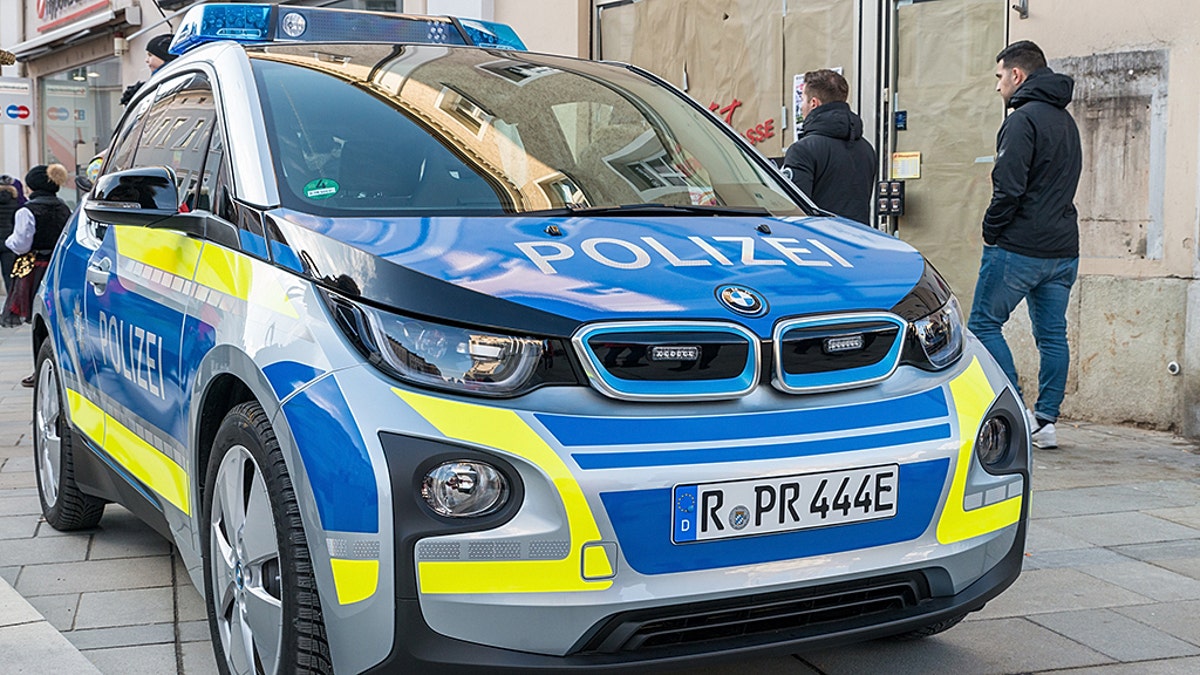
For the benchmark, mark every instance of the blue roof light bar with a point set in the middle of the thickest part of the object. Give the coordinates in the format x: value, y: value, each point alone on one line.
x: 492, y: 34
x: 254, y: 23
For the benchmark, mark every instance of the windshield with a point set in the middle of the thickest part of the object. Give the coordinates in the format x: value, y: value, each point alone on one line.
x: 381, y: 129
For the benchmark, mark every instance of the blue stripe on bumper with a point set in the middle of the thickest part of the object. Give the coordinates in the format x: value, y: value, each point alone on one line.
x: 573, y: 430
x: 623, y: 460
x: 642, y: 520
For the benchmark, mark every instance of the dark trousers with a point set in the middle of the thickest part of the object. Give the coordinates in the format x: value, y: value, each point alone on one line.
x: 7, y: 258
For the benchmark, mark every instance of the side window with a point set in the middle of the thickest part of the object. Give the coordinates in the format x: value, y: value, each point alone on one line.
x: 121, y: 156
x: 177, y: 132
x: 215, y: 189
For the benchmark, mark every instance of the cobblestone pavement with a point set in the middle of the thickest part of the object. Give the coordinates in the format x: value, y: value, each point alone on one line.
x: 1111, y: 582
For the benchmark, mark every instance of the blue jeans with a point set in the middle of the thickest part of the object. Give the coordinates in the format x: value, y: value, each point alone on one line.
x: 1006, y: 278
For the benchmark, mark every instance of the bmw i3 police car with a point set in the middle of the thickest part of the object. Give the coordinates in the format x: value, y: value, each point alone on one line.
x: 430, y: 352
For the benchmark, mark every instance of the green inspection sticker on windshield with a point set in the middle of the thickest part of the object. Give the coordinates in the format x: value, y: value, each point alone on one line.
x: 321, y: 188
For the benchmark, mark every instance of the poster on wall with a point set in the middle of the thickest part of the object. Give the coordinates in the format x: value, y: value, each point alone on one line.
x: 16, y: 101
x: 798, y: 103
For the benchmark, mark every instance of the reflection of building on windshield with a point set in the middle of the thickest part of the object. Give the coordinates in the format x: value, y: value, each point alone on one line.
x: 510, y: 134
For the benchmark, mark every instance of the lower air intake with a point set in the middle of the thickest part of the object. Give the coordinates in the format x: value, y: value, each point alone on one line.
x: 759, y: 617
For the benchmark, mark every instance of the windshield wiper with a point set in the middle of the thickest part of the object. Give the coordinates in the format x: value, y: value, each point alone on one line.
x: 653, y: 210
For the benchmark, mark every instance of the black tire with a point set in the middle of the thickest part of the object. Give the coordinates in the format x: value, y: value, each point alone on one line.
x: 931, y: 629
x: 246, y: 439
x: 64, y: 505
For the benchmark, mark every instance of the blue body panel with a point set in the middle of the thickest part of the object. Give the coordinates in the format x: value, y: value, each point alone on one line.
x: 335, y: 457
x: 571, y: 430
x: 612, y: 270
x: 642, y: 520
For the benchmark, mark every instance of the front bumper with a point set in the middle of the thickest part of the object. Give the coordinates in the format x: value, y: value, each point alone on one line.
x: 967, y: 549
x: 419, y: 649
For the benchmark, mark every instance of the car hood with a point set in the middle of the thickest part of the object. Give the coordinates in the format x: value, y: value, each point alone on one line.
x: 571, y: 271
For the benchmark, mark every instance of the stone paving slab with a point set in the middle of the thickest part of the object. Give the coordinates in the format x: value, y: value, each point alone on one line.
x: 37, y: 649
x: 977, y: 647
x: 1117, y: 529
x: 1115, y: 635
x: 1054, y: 590
x: 94, y: 575
x: 1180, y: 619
x: 1188, y: 666
x: 125, y: 608
x: 1152, y: 581
x: 139, y: 660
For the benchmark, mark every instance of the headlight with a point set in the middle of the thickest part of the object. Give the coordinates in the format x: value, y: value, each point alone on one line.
x: 941, y: 334
x: 464, y: 489
x: 448, y: 357
x: 935, y: 338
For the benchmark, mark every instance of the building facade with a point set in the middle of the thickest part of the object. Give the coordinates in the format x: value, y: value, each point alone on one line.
x: 921, y: 75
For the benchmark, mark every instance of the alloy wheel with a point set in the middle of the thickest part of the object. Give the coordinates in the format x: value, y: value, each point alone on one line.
x: 245, y: 566
x: 49, y: 443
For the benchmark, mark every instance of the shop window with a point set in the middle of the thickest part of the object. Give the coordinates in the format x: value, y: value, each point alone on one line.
x: 79, y: 109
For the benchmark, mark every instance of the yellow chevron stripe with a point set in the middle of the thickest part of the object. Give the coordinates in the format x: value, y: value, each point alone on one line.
x: 505, y: 430
x: 973, y: 395
x: 207, y: 264
x: 167, y: 250
x: 142, y: 460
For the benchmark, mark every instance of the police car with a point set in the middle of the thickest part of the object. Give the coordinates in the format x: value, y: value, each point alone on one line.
x: 429, y: 353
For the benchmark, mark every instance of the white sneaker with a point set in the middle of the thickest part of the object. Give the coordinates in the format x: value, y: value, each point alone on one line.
x: 1031, y: 419
x: 1044, y: 438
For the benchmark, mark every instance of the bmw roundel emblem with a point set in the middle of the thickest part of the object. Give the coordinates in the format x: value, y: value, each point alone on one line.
x: 743, y: 300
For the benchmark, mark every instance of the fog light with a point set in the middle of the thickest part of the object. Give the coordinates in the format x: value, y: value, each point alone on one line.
x: 993, y: 440
x: 464, y: 488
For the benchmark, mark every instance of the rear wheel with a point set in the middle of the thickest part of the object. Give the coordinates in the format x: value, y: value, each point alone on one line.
x: 258, y: 574
x: 64, y: 505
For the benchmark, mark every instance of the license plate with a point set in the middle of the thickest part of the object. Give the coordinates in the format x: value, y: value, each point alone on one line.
x: 743, y: 508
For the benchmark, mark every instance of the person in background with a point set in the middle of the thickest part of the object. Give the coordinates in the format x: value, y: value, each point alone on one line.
x: 8, y: 211
x: 157, y: 56
x: 1031, y: 228
x: 831, y: 161
x: 36, y: 229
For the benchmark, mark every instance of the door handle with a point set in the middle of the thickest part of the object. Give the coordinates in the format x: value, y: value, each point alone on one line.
x: 98, y: 274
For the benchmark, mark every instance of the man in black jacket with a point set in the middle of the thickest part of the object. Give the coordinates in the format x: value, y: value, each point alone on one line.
x: 831, y: 161
x: 1031, y: 228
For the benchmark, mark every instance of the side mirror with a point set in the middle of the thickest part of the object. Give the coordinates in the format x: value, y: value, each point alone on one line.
x: 134, y: 197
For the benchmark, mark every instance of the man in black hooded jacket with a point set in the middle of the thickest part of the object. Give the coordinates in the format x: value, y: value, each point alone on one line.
x: 831, y: 161
x: 1031, y: 228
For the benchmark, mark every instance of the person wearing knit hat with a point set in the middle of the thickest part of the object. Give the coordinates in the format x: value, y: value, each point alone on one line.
x: 157, y: 56
x: 156, y: 52
x: 36, y: 228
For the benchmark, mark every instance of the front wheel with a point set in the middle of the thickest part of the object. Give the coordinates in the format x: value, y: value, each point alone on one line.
x: 64, y: 505
x: 263, y: 608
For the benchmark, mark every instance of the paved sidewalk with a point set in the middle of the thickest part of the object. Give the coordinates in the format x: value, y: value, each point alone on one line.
x: 116, y: 593
x: 1111, y: 583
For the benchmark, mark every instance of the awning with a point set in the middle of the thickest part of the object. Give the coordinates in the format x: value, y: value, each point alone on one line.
x: 76, y: 31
